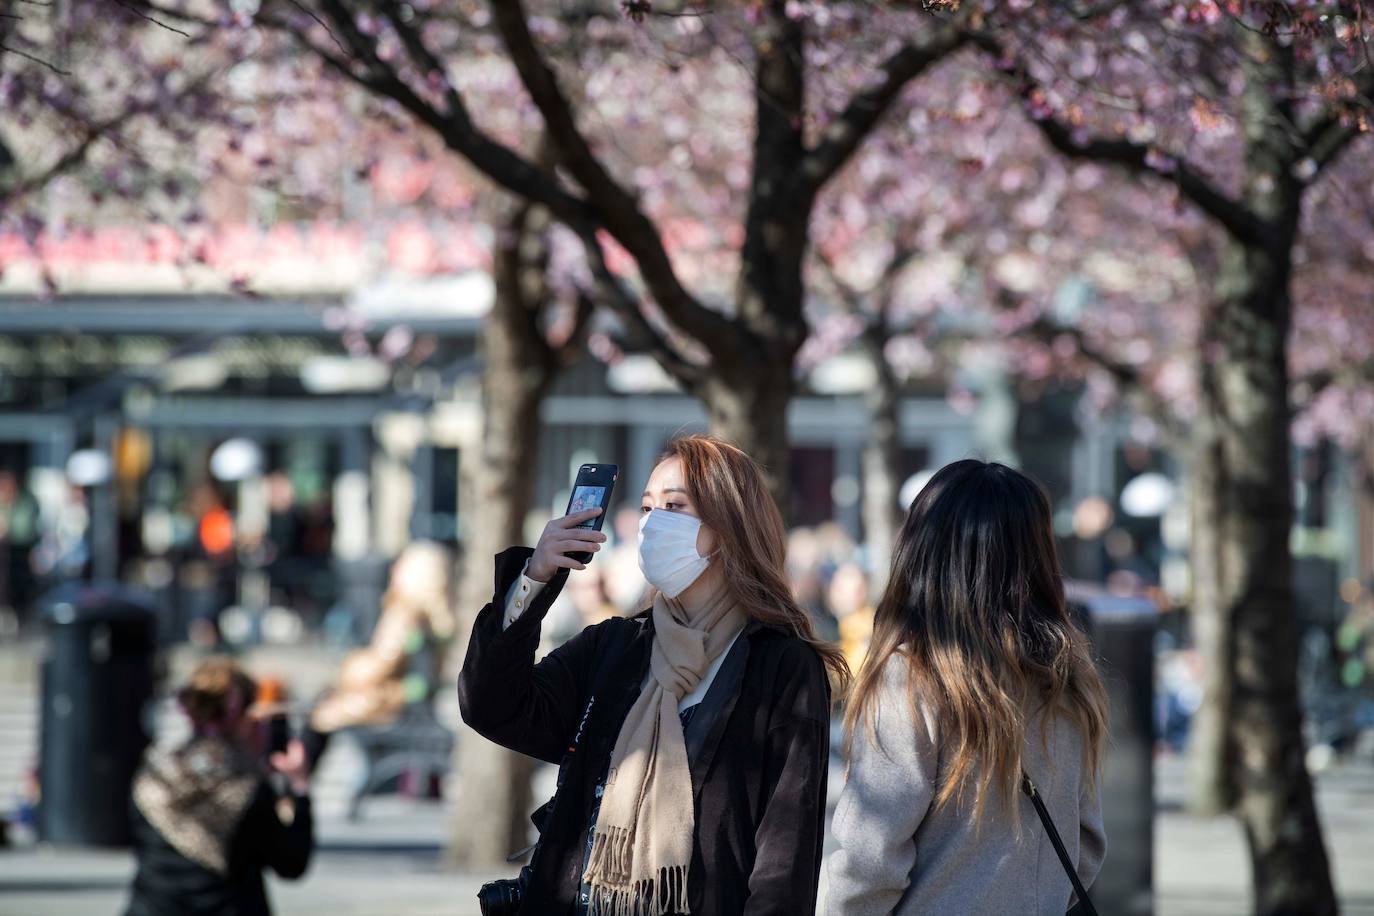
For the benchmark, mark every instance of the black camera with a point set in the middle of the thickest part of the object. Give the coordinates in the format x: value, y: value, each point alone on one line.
x: 502, y: 898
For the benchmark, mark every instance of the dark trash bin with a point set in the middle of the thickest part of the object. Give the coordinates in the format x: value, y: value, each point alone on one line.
x: 1122, y: 628
x: 98, y: 678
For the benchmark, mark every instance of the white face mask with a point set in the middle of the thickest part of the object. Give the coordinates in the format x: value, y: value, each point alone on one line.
x: 668, y: 551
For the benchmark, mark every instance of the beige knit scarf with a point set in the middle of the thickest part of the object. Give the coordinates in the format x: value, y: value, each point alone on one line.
x: 644, y: 830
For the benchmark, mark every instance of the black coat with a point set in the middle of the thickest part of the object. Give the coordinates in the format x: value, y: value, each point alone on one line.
x: 759, y: 778
x: 170, y: 884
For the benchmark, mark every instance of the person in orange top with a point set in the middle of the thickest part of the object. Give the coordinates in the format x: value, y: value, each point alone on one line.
x: 847, y: 597
x: 216, y: 531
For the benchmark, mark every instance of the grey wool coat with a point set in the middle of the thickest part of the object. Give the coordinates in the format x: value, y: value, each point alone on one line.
x: 897, y: 854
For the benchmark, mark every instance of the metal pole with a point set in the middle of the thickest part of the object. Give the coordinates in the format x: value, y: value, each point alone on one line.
x: 104, y: 521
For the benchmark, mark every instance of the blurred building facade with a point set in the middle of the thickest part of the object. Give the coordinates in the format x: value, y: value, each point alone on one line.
x: 276, y: 450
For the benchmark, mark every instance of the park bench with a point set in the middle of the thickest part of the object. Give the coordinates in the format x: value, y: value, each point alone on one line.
x: 414, y: 747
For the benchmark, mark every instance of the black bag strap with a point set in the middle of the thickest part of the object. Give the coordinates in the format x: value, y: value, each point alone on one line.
x: 1033, y: 794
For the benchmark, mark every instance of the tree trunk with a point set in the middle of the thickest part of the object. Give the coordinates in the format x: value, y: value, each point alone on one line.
x: 491, y: 811
x: 882, y: 463
x: 750, y: 383
x: 1274, y: 795
x: 1209, y: 746
x: 747, y: 405
x: 1249, y: 342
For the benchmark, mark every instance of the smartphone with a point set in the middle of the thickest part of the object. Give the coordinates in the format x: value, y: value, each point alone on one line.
x: 592, y: 489
x: 278, y: 733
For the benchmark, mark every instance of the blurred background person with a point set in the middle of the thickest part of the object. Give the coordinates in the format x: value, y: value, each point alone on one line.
x: 1355, y: 644
x: 401, y: 663
x: 624, y: 582
x: 205, y: 816
x: 591, y: 598
x: 805, y: 575
x: 847, y: 597
x: 63, y: 551
x: 19, y: 531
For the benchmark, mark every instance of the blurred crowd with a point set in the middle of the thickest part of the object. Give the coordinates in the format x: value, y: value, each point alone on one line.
x: 187, y: 544
x: 404, y: 640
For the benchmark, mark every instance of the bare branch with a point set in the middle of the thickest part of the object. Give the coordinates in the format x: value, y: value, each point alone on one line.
x: 1243, y: 223
x: 153, y: 19
x: 901, y: 259
x: 615, y: 207
x: 321, y: 23
x: 1332, y: 131
x: 863, y: 112
x: 425, y: 58
x: 73, y: 158
x: 1238, y: 219
x: 850, y: 296
x: 877, y: 298
x: 1125, y: 376
x: 90, y: 135
x: 455, y: 126
x: 628, y: 306
x: 158, y: 14
x: 1306, y: 388
x: 7, y: 49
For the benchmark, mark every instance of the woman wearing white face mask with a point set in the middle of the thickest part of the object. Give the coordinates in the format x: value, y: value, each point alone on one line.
x: 693, y: 738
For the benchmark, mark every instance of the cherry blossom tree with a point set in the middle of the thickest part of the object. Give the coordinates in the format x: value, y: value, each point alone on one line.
x: 242, y: 130
x: 687, y: 147
x: 788, y: 128
x: 896, y: 242
x: 956, y: 241
x: 787, y: 93
x: 1237, y: 109
x: 69, y: 123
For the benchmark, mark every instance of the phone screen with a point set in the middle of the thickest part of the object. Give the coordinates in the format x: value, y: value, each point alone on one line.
x: 585, y: 498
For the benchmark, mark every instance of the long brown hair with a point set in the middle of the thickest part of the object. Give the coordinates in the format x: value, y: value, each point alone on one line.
x: 728, y: 490
x: 975, y: 607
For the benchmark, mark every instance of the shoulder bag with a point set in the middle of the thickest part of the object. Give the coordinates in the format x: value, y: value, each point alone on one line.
x: 1083, y: 904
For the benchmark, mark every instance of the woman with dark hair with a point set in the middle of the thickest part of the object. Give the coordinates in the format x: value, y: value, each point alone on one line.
x: 692, y: 738
x: 976, y: 673
x: 205, y: 816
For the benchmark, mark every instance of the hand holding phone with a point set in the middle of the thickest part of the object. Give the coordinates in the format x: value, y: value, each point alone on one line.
x: 293, y: 764
x: 562, y: 543
x: 570, y: 541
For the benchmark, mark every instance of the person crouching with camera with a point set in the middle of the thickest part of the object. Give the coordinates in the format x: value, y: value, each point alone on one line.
x: 205, y: 815
x: 693, y: 737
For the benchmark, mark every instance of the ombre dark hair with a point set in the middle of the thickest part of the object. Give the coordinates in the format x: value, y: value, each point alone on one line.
x: 975, y: 608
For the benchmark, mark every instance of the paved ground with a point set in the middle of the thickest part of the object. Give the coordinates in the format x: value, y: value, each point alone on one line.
x: 1201, y: 866
x: 390, y: 863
